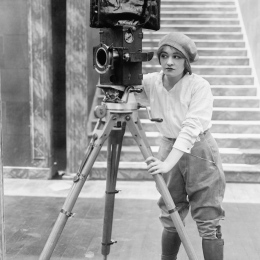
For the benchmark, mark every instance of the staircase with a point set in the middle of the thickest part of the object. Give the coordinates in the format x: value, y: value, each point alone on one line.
x: 217, y: 29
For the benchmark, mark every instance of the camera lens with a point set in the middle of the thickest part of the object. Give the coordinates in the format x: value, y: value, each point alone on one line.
x: 101, y: 57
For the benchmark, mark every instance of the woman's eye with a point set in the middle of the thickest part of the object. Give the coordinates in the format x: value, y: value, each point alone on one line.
x: 163, y: 56
x: 176, y: 57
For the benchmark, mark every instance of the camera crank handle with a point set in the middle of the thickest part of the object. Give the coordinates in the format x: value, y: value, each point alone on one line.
x: 136, y: 90
x: 130, y: 89
x: 158, y: 120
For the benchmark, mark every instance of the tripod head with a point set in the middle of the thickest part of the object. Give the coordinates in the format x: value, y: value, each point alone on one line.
x: 112, y: 101
x: 117, y: 98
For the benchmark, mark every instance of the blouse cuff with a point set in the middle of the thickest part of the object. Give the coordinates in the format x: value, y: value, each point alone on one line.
x: 183, y: 145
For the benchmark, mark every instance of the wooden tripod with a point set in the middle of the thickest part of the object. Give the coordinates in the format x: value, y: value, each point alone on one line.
x: 117, y: 116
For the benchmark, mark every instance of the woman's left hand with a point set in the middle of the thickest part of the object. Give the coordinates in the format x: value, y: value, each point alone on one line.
x: 156, y: 166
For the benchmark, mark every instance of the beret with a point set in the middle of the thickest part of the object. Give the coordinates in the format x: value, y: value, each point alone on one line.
x: 182, y: 43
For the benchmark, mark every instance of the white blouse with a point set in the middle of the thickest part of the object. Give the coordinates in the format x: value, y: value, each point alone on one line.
x: 186, y: 109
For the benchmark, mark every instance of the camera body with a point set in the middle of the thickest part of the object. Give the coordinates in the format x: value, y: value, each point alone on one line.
x: 119, y: 56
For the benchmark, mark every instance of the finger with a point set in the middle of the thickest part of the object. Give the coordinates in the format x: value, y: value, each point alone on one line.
x: 155, y: 172
x: 154, y: 165
x: 150, y: 159
x: 152, y: 169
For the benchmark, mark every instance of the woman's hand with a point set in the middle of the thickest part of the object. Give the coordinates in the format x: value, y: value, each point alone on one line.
x: 156, y: 166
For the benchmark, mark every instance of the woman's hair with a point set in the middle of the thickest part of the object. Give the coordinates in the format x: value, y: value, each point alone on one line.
x: 187, y: 67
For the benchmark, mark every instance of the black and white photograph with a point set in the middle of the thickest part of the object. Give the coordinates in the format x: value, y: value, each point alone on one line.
x: 129, y: 130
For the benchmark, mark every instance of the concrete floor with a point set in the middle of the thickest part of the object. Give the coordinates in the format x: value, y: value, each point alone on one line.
x: 32, y: 207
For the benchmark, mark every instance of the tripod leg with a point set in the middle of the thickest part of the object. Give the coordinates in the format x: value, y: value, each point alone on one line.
x: 101, y: 132
x: 114, y: 149
x: 139, y: 136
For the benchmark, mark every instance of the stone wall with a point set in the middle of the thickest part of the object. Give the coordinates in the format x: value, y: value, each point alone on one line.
x: 26, y: 80
x: 81, y: 80
x: 14, y: 68
x: 250, y: 10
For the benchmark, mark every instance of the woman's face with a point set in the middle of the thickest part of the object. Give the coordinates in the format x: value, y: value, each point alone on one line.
x: 172, y: 62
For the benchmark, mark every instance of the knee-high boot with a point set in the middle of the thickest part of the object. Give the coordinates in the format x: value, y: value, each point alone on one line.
x: 213, y: 249
x: 170, y: 245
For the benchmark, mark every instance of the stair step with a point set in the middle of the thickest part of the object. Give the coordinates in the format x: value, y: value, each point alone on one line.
x: 207, y: 70
x: 224, y: 140
x: 225, y: 90
x: 218, y: 126
x: 201, y: 21
x: 235, y: 126
x: 229, y: 101
x: 222, y: 52
x: 223, y: 43
x: 240, y: 156
x: 225, y: 113
x: 138, y: 171
x: 229, y: 79
x: 199, y: 35
x: 219, y: 90
x: 243, y: 114
x: 198, y: 14
x: 197, y: 8
x: 228, y: 155
x: 215, y: 43
x: 199, y: 28
x: 221, y: 79
x: 199, y: 2
x: 221, y: 60
x: 211, y: 51
x: 237, y: 140
x: 242, y: 173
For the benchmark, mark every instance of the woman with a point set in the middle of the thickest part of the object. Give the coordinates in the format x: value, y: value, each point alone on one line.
x: 188, y: 156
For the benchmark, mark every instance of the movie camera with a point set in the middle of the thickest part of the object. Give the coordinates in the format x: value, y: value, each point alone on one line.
x: 118, y: 58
